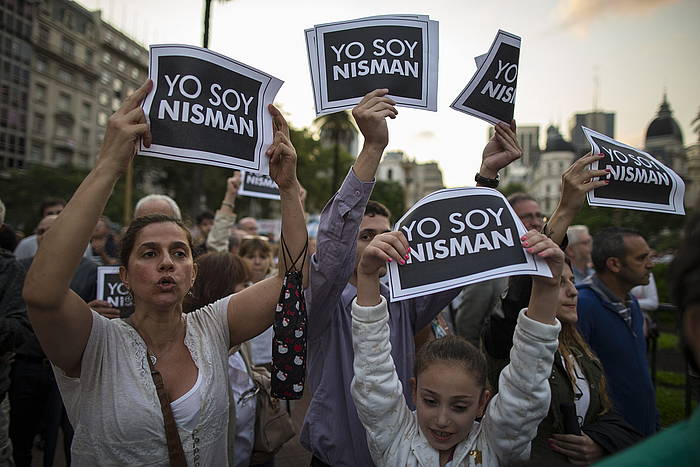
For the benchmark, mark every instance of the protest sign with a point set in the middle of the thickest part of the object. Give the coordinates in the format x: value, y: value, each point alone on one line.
x: 460, y: 236
x: 637, y: 180
x: 111, y: 289
x: 206, y: 108
x: 258, y: 186
x: 348, y: 59
x: 490, y: 94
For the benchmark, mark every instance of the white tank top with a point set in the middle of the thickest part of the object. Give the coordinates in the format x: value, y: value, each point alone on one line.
x: 186, y: 407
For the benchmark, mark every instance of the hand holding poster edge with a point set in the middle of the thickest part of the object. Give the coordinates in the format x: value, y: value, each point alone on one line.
x: 532, y: 265
x: 264, y: 186
x: 315, y: 44
x: 269, y: 86
x: 634, y: 186
x: 483, y: 63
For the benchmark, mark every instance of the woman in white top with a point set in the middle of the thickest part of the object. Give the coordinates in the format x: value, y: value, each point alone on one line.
x: 101, y: 365
x: 450, y: 383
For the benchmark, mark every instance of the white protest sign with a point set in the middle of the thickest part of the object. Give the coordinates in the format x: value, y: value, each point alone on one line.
x: 460, y: 236
x: 258, y: 186
x: 206, y: 108
x: 490, y: 94
x: 111, y: 289
x: 637, y: 180
x: 348, y: 59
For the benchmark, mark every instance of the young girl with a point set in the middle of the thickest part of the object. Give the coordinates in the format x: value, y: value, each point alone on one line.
x: 450, y: 384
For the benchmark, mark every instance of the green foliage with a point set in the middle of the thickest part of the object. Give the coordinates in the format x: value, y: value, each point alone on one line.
x: 667, y: 341
x: 390, y: 194
x: 671, y: 404
x: 512, y: 188
x: 661, y: 278
x: 670, y: 378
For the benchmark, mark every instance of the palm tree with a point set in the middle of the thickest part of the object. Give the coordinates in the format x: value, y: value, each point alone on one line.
x: 338, y: 128
x: 696, y: 122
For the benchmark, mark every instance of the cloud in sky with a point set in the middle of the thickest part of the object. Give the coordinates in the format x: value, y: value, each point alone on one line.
x: 427, y: 134
x: 579, y: 14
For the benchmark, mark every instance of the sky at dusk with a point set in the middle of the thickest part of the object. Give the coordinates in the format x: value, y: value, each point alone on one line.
x: 635, y: 48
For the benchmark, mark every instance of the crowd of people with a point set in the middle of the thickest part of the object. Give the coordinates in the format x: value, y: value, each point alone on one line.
x: 541, y: 371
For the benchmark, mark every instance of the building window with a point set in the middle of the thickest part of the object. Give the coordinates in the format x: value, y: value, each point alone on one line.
x: 104, y: 98
x: 115, y: 104
x: 117, y: 85
x: 86, y: 111
x: 37, y: 153
x: 39, y: 123
x: 64, y: 102
x: 88, y: 56
x: 108, y: 36
x: 44, y: 34
x: 67, y: 47
x: 121, y: 66
x: 65, y: 76
x: 135, y: 73
x: 102, y: 119
x: 39, y: 92
x: 106, y: 58
x: 85, y: 137
x: 62, y: 131
x: 42, y: 65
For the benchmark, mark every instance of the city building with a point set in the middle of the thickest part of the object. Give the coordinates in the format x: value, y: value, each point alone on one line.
x: 545, y: 181
x: 81, y: 70
x: 664, y: 140
x: 417, y: 180
x: 692, y: 188
x: 15, y: 64
x: 602, y: 122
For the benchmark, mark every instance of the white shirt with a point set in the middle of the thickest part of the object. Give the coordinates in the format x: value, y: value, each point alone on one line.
x: 186, y: 408
x: 114, y: 408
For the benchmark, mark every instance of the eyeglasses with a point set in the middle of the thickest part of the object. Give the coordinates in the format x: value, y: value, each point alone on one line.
x: 531, y: 217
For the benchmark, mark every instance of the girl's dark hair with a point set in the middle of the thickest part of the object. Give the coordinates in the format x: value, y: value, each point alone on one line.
x: 218, y: 274
x: 129, y: 239
x: 453, y: 349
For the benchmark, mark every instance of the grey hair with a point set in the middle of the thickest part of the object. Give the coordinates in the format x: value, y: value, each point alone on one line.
x: 171, y: 202
x: 574, y: 233
x: 2, y: 212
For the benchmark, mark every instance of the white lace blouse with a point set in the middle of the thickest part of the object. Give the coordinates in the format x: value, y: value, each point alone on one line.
x: 114, y: 408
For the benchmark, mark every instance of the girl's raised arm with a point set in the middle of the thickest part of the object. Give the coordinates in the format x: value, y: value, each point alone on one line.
x: 60, y: 318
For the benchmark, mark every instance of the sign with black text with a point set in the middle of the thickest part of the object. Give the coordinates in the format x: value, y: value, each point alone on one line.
x: 348, y: 59
x: 206, y: 108
x: 637, y: 180
x: 460, y: 236
x: 258, y: 186
x: 111, y: 289
x: 490, y: 94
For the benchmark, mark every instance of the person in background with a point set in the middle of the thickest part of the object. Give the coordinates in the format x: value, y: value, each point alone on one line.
x: 581, y: 426
x: 579, y: 251
x: 14, y: 330
x: 678, y: 445
x: 27, y: 246
x: 205, y: 221
x: 223, y: 227
x: 103, y: 250
x: 249, y: 225
x: 157, y: 204
x: 613, y: 326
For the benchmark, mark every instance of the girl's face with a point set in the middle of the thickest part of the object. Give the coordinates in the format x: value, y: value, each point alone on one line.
x: 448, y: 399
x: 568, y: 295
x: 258, y: 263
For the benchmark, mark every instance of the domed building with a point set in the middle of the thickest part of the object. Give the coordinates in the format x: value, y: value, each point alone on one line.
x: 558, y: 155
x: 664, y: 140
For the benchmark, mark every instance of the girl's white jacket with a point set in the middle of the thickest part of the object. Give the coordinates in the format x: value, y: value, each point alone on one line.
x: 510, y: 423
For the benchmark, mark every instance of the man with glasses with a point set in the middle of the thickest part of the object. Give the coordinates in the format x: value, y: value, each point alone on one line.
x: 28, y: 246
x: 527, y: 209
x: 579, y: 251
x: 610, y: 320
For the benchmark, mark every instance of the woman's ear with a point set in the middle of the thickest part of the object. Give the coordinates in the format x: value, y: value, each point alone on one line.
x: 123, y: 276
x: 483, y: 401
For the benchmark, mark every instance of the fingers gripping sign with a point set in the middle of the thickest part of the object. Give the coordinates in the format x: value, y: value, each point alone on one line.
x: 579, y: 179
x: 539, y: 244
x: 387, y: 247
x: 370, y: 115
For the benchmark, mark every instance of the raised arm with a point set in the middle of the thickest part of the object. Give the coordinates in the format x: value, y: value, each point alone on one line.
x: 225, y: 217
x: 60, y: 318
x: 375, y: 388
x: 334, y: 261
x: 523, y: 389
x: 576, y: 181
x: 502, y: 149
x: 253, y: 310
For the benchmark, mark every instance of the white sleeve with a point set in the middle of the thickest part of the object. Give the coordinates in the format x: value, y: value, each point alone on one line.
x: 375, y: 388
x: 524, y: 394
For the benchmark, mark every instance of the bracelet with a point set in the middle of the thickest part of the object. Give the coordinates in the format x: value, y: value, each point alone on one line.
x: 487, y: 182
x: 226, y: 203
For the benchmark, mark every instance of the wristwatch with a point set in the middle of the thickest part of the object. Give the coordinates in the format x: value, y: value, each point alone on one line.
x: 487, y: 182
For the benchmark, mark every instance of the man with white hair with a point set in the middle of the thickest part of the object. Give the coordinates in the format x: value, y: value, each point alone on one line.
x: 157, y: 204
x: 579, y: 251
